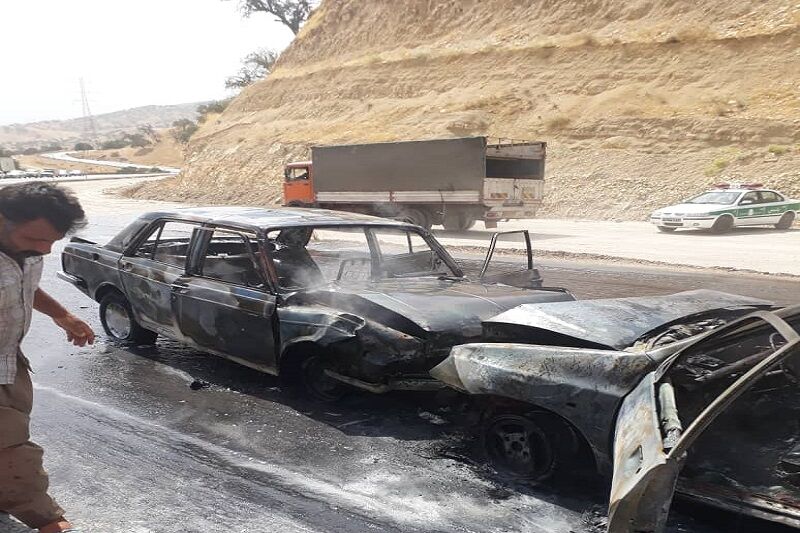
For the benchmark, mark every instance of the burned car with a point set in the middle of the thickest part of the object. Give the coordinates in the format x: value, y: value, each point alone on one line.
x: 696, y: 391
x: 325, y: 297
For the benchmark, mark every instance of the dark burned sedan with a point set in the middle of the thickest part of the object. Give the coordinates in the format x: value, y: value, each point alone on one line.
x: 328, y: 298
x: 701, y: 383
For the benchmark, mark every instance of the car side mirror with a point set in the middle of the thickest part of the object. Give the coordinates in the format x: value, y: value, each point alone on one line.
x: 747, y: 202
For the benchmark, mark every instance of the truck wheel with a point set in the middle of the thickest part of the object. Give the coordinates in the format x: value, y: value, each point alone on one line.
x: 786, y: 220
x: 419, y: 217
x: 458, y: 221
x: 119, y: 323
x: 723, y: 224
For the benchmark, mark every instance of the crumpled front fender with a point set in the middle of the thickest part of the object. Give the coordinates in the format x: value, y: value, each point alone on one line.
x: 584, y: 386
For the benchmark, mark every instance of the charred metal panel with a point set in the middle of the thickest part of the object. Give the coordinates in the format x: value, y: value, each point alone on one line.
x: 226, y: 318
x: 583, y: 386
x: 432, y: 165
x: 352, y: 345
x: 608, y: 323
x: 429, y: 306
x: 644, y: 478
x: 96, y: 266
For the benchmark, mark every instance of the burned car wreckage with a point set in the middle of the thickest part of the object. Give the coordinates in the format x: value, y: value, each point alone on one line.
x: 696, y: 392
x: 330, y: 298
x: 702, y: 384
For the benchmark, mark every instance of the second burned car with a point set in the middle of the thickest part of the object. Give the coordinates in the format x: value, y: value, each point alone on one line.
x: 331, y: 299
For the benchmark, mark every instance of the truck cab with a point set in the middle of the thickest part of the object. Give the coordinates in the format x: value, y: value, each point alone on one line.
x: 298, y: 184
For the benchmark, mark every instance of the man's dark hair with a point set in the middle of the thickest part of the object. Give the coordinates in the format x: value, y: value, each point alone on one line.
x: 24, y: 202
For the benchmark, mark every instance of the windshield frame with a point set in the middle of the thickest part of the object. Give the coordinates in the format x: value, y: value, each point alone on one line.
x: 368, y: 230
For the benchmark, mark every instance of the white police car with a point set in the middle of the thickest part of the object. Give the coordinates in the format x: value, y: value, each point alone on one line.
x: 726, y: 206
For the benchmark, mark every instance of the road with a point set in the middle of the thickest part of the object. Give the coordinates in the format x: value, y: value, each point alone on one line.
x: 132, y: 448
x: 760, y: 249
x: 65, y: 156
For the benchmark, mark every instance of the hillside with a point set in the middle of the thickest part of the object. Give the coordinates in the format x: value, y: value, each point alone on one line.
x: 642, y: 101
x: 108, y: 125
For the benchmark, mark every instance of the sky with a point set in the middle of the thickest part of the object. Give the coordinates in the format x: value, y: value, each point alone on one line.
x: 129, y: 53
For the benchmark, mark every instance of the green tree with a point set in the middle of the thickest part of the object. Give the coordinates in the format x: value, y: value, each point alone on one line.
x: 255, y: 66
x: 113, y: 144
x: 136, y: 140
x: 149, y: 132
x: 82, y: 147
x: 183, y: 129
x: 290, y: 13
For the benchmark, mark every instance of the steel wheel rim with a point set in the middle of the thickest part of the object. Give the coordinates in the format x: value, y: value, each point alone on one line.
x: 518, y: 446
x: 118, y: 321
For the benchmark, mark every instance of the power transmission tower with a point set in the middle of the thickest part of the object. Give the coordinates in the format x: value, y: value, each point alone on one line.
x: 89, y: 128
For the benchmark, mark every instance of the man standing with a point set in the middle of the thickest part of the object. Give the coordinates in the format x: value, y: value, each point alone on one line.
x: 33, y: 216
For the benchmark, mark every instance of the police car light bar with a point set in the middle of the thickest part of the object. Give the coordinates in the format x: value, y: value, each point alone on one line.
x: 739, y: 185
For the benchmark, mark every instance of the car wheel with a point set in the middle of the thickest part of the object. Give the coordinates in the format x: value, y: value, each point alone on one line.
x: 522, y: 447
x: 666, y: 229
x: 786, y: 220
x: 119, y: 323
x: 317, y: 383
x: 723, y: 224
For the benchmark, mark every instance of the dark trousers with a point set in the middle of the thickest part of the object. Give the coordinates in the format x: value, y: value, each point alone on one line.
x: 23, y: 481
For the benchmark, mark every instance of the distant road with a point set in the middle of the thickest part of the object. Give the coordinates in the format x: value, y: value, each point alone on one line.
x: 84, y: 177
x: 64, y: 156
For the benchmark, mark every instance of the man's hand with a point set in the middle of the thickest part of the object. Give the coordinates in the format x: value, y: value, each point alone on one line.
x: 79, y: 332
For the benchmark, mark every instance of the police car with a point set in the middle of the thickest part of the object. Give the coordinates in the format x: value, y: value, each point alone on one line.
x: 728, y: 206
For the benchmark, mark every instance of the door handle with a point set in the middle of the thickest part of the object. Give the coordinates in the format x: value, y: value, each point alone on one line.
x: 127, y: 267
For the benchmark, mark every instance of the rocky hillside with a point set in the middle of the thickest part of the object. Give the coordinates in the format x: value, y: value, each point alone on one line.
x: 108, y: 125
x: 642, y: 101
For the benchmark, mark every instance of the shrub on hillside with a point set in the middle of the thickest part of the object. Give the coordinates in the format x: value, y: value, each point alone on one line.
x: 217, y: 106
x: 114, y: 144
x: 82, y: 147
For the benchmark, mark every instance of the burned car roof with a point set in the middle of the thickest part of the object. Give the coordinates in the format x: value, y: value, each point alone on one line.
x: 613, y: 323
x: 262, y: 217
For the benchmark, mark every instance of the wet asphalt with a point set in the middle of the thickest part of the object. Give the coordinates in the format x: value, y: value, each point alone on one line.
x: 131, y: 447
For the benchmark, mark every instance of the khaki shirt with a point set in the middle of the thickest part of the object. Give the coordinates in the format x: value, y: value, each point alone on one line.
x: 17, y: 287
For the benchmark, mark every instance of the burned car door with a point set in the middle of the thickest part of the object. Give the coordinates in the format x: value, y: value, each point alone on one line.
x: 224, y: 304
x: 672, y: 407
x: 148, y: 269
x: 523, y: 275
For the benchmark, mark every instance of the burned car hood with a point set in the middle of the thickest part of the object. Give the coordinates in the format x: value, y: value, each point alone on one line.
x: 423, y: 306
x: 614, y: 323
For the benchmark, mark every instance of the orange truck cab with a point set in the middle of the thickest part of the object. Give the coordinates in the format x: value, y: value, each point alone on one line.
x: 298, y: 184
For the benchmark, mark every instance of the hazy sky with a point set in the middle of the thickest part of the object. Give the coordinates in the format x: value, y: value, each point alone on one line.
x: 129, y: 53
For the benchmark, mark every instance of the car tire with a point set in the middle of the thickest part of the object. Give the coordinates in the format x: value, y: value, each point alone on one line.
x: 723, y: 224
x: 119, y: 323
x: 786, y: 221
x: 317, y: 383
x: 666, y: 229
x: 526, y: 447
x: 304, y: 374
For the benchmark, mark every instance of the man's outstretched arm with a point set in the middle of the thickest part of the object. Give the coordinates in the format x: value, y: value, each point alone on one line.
x: 78, y: 332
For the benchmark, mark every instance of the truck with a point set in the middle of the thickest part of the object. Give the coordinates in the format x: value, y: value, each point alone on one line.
x: 448, y: 182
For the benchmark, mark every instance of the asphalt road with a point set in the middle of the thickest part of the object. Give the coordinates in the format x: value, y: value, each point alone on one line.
x: 132, y: 448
